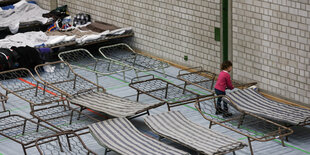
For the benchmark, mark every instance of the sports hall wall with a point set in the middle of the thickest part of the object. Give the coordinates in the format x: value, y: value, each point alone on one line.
x: 270, y: 38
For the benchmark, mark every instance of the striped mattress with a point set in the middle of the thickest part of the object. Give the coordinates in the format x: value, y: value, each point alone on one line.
x: 174, y: 126
x: 251, y: 101
x: 121, y: 136
x: 111, y: 104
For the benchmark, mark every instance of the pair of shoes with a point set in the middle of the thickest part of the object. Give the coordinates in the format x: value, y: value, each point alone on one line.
x: 218, y: 111
x: 226, y: 114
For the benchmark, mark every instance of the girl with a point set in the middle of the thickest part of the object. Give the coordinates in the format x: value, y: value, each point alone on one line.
x: 222, y: 83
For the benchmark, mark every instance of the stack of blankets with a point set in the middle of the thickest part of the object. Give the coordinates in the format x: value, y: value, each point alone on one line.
x: 12, y: 16
x: 80, y: 35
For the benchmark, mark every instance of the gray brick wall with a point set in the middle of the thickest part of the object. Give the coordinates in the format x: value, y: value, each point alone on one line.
x: 45, y: 4
x: 271, y: 45
x: 166, y: 28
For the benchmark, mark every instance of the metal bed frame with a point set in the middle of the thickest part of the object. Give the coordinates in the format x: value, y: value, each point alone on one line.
x: 22, y: 130
x: 243, y: 122
x: 83, y: 59
x: 164, y: 91
x: 78, y: 88
x: 205, y: 79
x: 62, y: 143
x: 124, y: 53
x: 63, y: 117
x: 21, y: 83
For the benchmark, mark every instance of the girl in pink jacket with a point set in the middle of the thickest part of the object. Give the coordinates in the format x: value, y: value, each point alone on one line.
x: 223, y: 82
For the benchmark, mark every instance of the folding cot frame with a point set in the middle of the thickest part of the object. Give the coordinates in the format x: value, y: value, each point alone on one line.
x: 24, y: 120
x: 81, y: 54
x: 56, y: 137
x: 281, y: 132
x: 134, y: 56
x: 165, y: 89
x: 199, y: 75
x: 55, y: 115
x: 77, y: 92
x: 34, y: 88
x: 37, y: 94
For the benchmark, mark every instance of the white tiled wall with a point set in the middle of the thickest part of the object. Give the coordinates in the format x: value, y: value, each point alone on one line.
x: 271, y: 45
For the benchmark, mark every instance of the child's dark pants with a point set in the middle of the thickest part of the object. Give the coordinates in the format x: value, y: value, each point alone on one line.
x: 219, y: 100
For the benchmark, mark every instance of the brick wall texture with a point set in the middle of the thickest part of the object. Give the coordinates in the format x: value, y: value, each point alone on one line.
x: 270, y: 37
x: 166, y: 28
x: 271, y: 45
x: 45, y: 4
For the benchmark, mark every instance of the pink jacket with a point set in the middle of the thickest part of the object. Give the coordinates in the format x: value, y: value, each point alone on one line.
x: 223, y: 81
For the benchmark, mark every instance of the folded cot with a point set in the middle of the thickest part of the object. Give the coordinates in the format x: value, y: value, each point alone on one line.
x: 120, y: 136
x: 125, y: 54
x: 174, y: 126
x: 87, y: 94
x: 63, y: 143
x: 83, y: 59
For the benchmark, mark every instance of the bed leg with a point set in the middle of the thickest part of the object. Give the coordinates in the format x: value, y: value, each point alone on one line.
x: 3, y: 106
x: 234, y: 153
x: 210, y: 124
x: 148, y: 113
x: 138, y: 94
x: 24, y: 127
x: 6, y: 94
x: 184, y: 87
x: 286, y: 138
x: 24, y: 149
x: 80, y: 113
x: 168, y: 107
x: 281, y: 137
x: 38, y: 125
x: 97, y: 79
x: 166, y: 94
x: 250, y: 146
x: 106, y: 151
x: 241, y: 120
x: 282, y: 141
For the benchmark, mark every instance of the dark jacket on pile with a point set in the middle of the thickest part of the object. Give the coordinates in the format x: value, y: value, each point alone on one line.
x: 28, y: 57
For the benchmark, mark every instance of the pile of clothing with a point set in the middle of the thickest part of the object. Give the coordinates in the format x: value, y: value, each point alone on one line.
x: 22, y: 12
x: 19, y: 57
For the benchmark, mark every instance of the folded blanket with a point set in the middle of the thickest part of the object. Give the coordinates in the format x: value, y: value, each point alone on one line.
x: 99, y: 27
x: 23, y: 12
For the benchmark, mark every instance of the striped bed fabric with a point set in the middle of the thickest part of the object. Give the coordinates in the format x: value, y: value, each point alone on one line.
x: 174, y: 126
x: 251, y: 101
x: 110, y: 104
x: 121, y: 136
